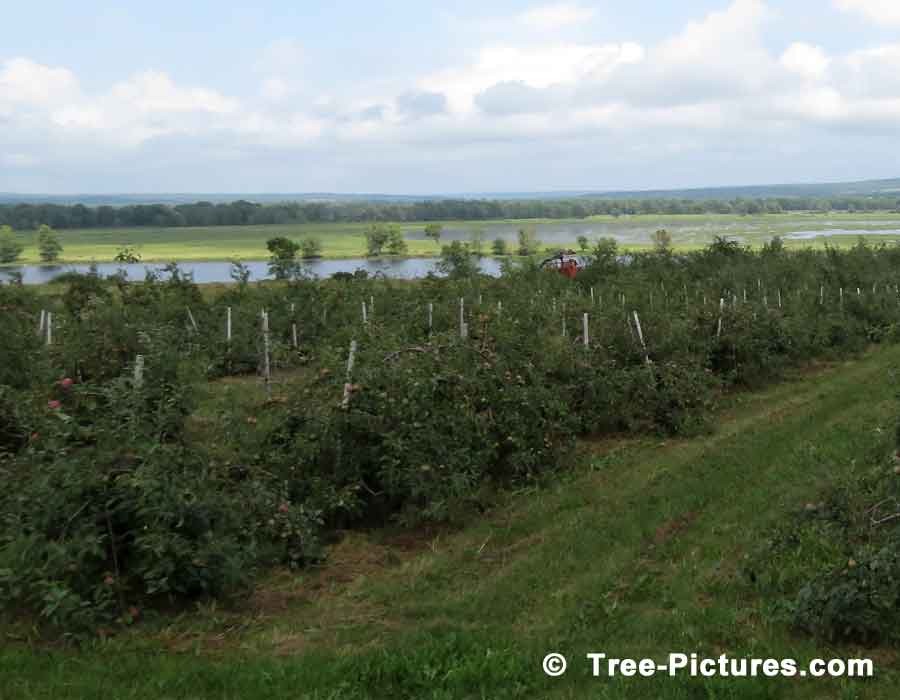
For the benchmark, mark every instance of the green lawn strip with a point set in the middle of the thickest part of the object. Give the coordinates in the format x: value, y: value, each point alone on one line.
x: 638, y: 556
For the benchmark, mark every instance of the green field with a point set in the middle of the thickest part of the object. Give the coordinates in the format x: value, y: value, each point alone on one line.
x: 636, y: 552
x: 343, y: 240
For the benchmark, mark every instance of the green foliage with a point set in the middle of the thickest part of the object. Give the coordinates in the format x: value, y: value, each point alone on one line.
x: 527, y: 241
x: 499, y: 247
x: 283, y: 258
x: 240, y: 274
x: 433, y: 231
x: 48, y: 243
x: 583, y: 243
x: 396, y: 243
x: 127, y: 255
x: 10, y: 247
x: 377, y: 237
x: 310, y: 247
x: 432, y: 423
x: 477, y: 241
x: 835, y: 564
x: 457, y: 261
x: 662, y: 242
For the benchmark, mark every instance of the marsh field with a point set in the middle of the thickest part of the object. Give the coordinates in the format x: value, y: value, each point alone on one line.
x: 347, y: 240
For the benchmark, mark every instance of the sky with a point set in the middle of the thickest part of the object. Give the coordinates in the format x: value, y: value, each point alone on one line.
x: 412, y: 97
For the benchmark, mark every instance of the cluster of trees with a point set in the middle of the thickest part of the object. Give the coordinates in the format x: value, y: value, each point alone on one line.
x: 386, y: 238
x: 283, y: 263
x: 242, y: 212
x: 49, y: 246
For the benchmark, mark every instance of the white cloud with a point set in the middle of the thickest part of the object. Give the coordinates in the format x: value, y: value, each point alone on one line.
x: 808, y: 62
x: 555, y: 16
x: 872, y: 72
x: 24, y: 81
x: 153, y: 91
x: 718, y: 57
x: 717, y: 83
x: 534, y: 67
x: 884, y: 12
x: 275, y: 89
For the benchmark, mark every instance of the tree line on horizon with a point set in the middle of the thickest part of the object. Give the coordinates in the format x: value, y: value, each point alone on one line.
x: 244, y: 213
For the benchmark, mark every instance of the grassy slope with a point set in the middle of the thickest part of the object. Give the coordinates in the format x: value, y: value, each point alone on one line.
x: 637, y: 553
x: 347, y: 239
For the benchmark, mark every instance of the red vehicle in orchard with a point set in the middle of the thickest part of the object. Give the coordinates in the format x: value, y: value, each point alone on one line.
x: 565, y: 262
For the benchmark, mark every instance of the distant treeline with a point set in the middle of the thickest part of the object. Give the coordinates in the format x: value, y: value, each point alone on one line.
x: 242, y: 212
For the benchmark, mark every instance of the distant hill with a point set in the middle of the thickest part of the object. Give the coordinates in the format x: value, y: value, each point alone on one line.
x: 825, y: 189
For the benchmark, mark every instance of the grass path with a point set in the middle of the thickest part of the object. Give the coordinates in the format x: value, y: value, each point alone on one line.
x: 637, y: 553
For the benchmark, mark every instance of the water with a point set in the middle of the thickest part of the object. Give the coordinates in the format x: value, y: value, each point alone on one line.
x: 808, y: 235
x: 220, y: 271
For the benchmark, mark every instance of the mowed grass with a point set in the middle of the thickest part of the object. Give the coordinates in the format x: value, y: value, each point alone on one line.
x: 636, y: 552
x: 346, y: 240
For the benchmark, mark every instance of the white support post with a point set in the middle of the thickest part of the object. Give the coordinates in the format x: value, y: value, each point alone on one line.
x: 592, y: 296
x: 640, y: 332
x: 228, y: 325
x: 345, y: 402
x: 294, y: 335
x: 463, y: 328
x: 430, y: 317
x: 779, y: 298
x: 821, y: 294
x: 365, y: 314
x: 267, y: 366
x: 49, y: 328
x: 191, y: 319
x: 138, y: 370
x: 42, y: 322
x: 721, y: 311
x: 584, y: 330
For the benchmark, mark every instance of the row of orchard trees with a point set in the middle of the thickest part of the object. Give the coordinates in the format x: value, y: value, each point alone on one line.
x: 404, y: 401
x: 11, y: 246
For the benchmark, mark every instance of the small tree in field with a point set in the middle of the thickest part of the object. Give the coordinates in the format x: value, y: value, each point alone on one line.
x: 283, y: 261
x: 10, y: 248
x: 310, y: 248
x: 528, y: 244
x: 583, y: 243
x: 662, y: 241
x: 498, y: 247
x: 396, y: 242
x: 434, y: 231
x: 376, y: 239
x: 127, y: 255
x: 477, y: 240
x: 457, y: 261
x: 49, y: 246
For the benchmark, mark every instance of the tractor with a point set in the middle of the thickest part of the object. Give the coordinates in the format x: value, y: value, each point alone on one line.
x: 565, y: 262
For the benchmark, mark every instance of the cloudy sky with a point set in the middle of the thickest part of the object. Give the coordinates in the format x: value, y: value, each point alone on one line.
x: 406, y: 96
